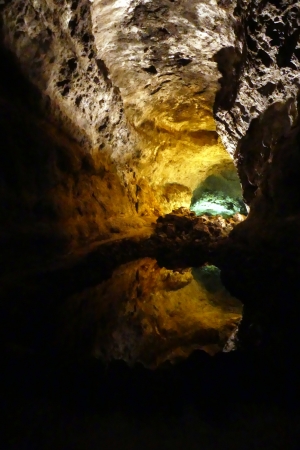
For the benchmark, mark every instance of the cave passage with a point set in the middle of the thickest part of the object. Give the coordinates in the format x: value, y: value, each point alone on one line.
x: 219, y: 194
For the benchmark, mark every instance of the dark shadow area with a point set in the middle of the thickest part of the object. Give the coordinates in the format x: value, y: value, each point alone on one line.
x: 226, y: 402
x: 255, y: 151
x: 47, y: 182
x: 209, y: 276
x: 230, y: 62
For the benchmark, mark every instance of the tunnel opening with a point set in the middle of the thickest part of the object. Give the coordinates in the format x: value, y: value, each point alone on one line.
x: 219, y: 194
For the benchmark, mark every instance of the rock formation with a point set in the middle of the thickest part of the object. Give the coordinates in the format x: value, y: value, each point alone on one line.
x: 116, y: 117
x: 259, y: 124
x: 116, y: 112
x: 262, y: 100
x: 133, y: 83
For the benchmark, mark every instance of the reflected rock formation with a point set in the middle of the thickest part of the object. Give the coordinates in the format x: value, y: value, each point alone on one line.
x: 150, y: 314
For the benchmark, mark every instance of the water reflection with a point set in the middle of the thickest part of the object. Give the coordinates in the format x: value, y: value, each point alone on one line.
x: 150, y: 314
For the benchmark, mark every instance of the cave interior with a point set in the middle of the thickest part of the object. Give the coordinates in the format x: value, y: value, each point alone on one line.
x: 149, y: 220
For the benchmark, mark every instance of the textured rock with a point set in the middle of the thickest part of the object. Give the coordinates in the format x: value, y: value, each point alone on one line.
x: 132, y: 81
x: 53, y: 195
x: 258, y: 121
x: 262, y: 70
x: 160, y: 56
x: 136, y: 84
x: 54, y: 44
x: 182, y: 240
x: 261, y: 261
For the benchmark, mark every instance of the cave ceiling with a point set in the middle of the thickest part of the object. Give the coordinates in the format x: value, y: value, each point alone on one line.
x: 139, y: 82
x: 134, y: 81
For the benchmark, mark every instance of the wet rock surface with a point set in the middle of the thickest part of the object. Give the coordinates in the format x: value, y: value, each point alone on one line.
x: 183, y: 239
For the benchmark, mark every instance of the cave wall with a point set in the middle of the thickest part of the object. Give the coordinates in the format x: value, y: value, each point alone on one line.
x: 53, y: 195
x: 54, y: 45
x: 264, y: 69
x: 127, y: 105
x: 259, y: 124
x: 132, y: 82
x: 137, y: 85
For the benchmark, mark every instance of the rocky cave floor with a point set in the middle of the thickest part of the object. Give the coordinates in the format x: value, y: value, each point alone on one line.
x: 60, y: 390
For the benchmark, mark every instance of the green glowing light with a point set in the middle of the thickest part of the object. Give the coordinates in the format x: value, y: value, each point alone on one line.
x: 217, y: 203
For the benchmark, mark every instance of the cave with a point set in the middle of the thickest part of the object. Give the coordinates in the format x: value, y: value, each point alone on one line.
x: 219, y: 194
x: 149, y: 224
